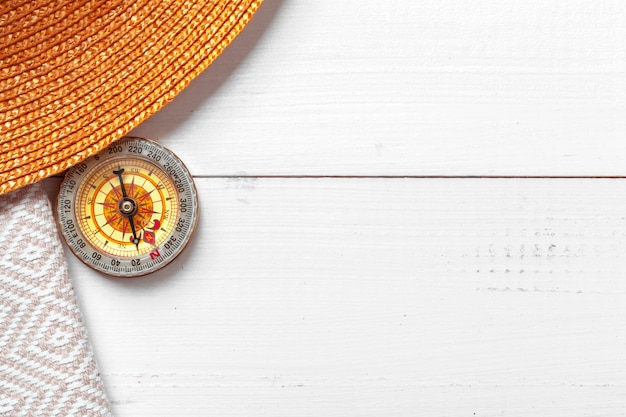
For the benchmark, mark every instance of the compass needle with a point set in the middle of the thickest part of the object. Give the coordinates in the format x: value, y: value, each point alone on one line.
x: 127, y: 206
x: 128, y: 197
x: 119, y: 173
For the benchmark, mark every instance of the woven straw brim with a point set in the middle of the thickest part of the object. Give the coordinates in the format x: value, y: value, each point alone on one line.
x: 77, y: 75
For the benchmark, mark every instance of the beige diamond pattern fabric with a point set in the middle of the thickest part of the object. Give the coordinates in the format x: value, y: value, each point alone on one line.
x: 47, y: 366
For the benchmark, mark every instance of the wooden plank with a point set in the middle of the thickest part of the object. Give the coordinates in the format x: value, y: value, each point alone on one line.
x: 375, y: 296
x: 411, y: 88
x: 334, y: 297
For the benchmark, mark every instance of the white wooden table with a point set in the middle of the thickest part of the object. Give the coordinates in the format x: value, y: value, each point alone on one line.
x: 409, y: 208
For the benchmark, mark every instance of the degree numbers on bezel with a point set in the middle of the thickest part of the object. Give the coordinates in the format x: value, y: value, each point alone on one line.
x: 130, y: 210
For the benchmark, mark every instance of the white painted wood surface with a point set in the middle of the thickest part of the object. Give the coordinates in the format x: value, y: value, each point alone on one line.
x: 321, y: 283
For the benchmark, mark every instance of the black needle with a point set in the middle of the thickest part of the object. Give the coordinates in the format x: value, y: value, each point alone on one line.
x: 119, y: 173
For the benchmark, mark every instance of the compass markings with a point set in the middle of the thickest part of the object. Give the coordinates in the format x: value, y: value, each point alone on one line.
x: 113, y: 218
x: 146, y: 195
x: 124, y: 229
x: 117, y: 192
x: 131, y: 189
x: 146, y: 211
x: 152, y: 210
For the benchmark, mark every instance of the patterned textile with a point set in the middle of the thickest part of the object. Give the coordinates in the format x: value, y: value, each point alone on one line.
x: 46, y: 363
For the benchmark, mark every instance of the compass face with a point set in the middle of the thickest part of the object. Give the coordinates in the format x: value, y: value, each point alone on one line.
x: 129, y: 210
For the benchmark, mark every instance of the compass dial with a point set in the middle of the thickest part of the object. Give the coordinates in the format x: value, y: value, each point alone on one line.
x: 129, y: 210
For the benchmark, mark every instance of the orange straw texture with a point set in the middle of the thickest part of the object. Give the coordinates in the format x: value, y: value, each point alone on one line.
x: 77, y: 75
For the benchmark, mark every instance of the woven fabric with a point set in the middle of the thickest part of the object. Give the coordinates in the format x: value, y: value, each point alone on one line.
x: 46, y: 363
x: 77, y: 75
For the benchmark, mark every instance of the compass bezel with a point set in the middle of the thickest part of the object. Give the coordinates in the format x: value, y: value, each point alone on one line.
x: 153, y: 257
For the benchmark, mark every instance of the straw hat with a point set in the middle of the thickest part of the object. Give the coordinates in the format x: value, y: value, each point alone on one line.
x: 76, y: 75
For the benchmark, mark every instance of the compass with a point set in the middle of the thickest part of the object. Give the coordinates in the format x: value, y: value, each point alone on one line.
x: 129, y: 210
